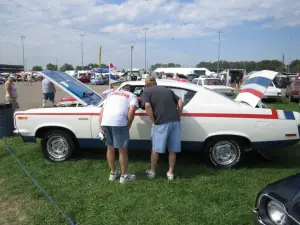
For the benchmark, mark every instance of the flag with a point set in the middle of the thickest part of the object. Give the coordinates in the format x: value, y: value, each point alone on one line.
x: 112, y: 79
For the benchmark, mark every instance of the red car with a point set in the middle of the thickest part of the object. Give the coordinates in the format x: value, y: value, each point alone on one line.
x: 293, y: 91
x: 84, y: 79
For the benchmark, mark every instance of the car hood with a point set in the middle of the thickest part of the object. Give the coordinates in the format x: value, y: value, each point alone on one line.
x: 287, y: 191
x: 255, y: 86
x: 83, y: 94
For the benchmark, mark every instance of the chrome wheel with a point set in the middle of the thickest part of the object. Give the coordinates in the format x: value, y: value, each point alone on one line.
x: 224, y: 152
x: 57, y: 147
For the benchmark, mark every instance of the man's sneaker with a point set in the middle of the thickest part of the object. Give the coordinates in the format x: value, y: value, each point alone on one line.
x: 114, y: 176
x: 170, y: 176
x: 127, y: 178
x: 150, y: 173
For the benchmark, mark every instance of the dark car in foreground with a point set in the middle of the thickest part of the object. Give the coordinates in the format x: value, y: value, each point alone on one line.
x: 278, y: 203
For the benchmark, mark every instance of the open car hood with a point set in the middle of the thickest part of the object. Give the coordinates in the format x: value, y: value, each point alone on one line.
x: 83, y: 94
x: 255, y: 86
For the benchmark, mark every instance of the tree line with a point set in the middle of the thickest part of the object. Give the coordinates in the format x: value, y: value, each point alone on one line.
x: 68, y: 66
x: 274, y: 65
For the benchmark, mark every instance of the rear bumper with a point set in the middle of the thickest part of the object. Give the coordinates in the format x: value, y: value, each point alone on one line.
x: 271, y: 96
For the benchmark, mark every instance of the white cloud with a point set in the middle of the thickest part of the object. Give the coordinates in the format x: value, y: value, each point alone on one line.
x: 52, y: 28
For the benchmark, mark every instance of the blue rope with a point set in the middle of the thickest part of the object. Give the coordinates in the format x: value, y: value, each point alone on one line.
x: 71, y: 222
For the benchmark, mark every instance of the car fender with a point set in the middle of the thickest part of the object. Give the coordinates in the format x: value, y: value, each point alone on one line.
x: 225, y: 133
x: 54, y: 125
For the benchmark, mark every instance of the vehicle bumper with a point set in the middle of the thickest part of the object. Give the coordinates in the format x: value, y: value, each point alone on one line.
x: 25, y: 135
x: 257, y: 219
x: 272, y: 97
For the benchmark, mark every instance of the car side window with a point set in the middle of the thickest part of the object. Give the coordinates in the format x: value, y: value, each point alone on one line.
x: 185, y: 95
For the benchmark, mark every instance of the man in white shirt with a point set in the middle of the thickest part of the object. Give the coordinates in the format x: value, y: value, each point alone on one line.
x: 115, y: 120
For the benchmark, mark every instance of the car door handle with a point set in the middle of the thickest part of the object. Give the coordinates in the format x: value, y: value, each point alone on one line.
x: 83, y: 118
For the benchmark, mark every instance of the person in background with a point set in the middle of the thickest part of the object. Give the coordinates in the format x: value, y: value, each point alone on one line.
x: 223, y: 79
x: 48, y: 91
x: 164, y: 76
x: 29, y: 79
x: 11, y: 95
x: 229, y: 80
x: 238, y: 83
x: 164, y: 108
x: 115, y: 119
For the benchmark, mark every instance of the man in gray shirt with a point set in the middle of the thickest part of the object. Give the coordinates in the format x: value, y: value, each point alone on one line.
x: 164, y: 108
x: 48, y: 91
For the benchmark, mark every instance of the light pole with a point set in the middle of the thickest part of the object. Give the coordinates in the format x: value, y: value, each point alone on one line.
x: 22, y: 37
x: 145, y: 29
x: 81, y: 35
x: 131, y: 50
x: 289, y: 54
x: 219, y: 52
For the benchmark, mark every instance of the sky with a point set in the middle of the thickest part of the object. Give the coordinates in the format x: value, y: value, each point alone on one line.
x: 180, y: 31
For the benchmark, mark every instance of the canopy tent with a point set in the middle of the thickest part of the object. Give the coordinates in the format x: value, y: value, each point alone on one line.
x: 101, y: 70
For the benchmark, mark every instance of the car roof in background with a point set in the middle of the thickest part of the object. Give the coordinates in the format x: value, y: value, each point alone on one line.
x: 169, y: 83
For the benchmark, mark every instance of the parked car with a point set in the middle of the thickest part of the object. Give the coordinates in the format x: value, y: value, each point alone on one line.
x: 272, y: 92
x: 280, y: 82
x: 224, y: 129
x: 214, y: 84
x: 278, y: 203
x: 97, y: 81
x: 293, y: 91
x: 192, y: 76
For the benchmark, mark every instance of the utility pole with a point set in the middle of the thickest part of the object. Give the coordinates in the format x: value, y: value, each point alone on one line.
x: 219, y: 32
x: 22, y: 37
x: 81, y: 35
x: 145, y: 29
x: 131, y: 50
x: 289, y: 54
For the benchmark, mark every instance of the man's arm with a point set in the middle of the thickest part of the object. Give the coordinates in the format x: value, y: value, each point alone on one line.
x: 180, y: 105
x: 149, y: 112
x: 8, y: 88
x: 54, y: 90
x: 100, y: 117
x: 131, y: 115
x: 147, y: 106
x: 134, y: 105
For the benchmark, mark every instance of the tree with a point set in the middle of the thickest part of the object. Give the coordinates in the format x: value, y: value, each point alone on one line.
x: 51, y: 66
x: 78, y: 68
x: 65, y: 67
x: 37, y: 68
x: 103, y: 65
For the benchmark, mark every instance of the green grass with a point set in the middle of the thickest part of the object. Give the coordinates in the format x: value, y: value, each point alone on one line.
x: 200, y: 194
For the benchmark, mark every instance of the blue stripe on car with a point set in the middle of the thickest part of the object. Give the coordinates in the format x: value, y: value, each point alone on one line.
x: 289, y: 115
x: 265, y: 82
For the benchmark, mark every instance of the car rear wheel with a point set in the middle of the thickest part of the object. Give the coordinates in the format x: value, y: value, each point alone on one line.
x: 57, y: 145
x: 226, y: 153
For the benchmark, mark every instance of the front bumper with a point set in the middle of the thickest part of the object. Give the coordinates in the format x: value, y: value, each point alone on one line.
x: 257, y: 219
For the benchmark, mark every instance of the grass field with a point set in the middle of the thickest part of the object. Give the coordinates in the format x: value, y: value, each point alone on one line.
x: 199, y: 195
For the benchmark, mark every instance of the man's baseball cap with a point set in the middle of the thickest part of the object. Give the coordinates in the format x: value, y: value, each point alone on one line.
x: 150, y: 80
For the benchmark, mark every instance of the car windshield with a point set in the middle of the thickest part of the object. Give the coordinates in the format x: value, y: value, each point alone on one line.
x: 297, y: 84
x: 212, y: 82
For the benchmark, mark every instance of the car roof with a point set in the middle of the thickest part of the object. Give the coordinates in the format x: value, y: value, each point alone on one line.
x: 170, y: 83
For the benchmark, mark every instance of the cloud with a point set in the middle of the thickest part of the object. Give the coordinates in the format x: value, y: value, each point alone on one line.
x: 52, y: 28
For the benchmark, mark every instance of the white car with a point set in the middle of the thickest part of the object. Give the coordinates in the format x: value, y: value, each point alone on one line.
x: 225, y: 129
x: 272, y: 92
x: 214, y: 84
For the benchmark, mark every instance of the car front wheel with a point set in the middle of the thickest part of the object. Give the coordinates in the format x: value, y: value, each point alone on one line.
x: 57, y: 145
x: 225, y: 153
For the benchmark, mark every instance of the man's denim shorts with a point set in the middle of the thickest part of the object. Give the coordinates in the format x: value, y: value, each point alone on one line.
x: 49, y: 96
x: 116, y: 136
x: 166, y: 135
